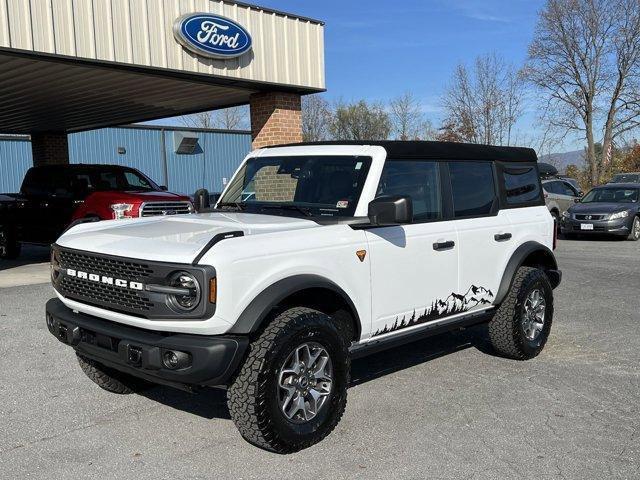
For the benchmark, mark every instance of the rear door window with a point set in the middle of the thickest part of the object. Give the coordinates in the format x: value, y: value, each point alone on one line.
x: 473, y: 188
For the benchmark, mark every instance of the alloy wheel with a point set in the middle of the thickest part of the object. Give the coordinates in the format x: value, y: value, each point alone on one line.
x: 4, y: 243
x: 533, y: 314
x: 304, y: 382
x: 636, y: 228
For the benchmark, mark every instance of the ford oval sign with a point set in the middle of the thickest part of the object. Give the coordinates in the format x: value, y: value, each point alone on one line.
x: 212, y: 35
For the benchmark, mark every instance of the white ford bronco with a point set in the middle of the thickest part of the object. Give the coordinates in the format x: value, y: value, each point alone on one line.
x: 314, y: 254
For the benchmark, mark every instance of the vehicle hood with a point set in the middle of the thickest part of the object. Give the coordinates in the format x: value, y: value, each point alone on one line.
x: 599, y: 208
x: 137, y: 197
x: 177, y: 239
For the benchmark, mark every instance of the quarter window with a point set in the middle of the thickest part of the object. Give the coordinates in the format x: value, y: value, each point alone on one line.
x: 417, y: 179
x: 521, y: 185
x: 473, y: 188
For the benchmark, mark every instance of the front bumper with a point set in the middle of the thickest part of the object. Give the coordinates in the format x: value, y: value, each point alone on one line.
x: 212, y: 360
x: 620, y: 226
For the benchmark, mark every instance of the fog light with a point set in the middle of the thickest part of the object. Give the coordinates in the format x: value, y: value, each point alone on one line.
x: 174, y: 360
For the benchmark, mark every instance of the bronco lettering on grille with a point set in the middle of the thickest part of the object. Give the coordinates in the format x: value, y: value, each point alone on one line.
x: 92, y: 277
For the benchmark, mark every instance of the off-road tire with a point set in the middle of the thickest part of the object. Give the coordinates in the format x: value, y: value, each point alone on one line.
x: 506, y: 332
x: 109, y: 379
x: 633, y: 235
x: 9, y: 245
x: 252, y: 395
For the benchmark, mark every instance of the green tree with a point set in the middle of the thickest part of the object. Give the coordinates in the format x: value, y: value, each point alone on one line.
x: 360, y: 121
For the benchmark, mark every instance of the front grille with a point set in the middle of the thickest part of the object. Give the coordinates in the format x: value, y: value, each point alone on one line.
x: 153, y: 209
x: 580, y: 216
x: 103, y: 294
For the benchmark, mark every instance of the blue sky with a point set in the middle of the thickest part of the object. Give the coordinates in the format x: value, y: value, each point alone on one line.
x: 378, y: 49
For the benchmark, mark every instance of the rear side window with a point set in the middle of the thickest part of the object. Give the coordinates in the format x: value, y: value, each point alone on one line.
x: 473, y: 188
x: 521, y: 185
x: 418, y: 179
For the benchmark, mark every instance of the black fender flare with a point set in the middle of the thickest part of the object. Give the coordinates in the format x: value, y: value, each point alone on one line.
x: 517, y: 260
x: 255, y: 314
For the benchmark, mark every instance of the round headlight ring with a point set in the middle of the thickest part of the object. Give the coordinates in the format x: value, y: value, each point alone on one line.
x: 184, y: 303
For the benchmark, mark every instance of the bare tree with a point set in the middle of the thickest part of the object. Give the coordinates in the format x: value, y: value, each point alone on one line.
x: 232, y: 118
x: 316, y: 116
x: 483, y: 104
x: 406, y: 116
x: 360, y: 121
x: 585, y: 56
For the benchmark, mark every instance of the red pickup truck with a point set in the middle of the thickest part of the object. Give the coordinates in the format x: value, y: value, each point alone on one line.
x: 52, y: 197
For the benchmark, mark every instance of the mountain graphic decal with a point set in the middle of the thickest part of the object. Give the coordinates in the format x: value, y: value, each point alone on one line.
x: 454, y: 304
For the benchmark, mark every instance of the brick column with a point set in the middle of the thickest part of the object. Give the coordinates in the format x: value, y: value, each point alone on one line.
x: 49, y: 149
x: 276, y: 118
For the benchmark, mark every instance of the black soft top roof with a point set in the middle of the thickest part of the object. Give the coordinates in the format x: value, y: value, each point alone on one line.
x: 439, y: 150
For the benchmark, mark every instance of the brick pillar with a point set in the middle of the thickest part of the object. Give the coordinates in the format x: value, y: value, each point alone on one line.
x: 276, y: 118
x: 49, y: 149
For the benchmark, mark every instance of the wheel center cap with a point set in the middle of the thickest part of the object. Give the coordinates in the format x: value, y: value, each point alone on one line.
x: 303, y: 382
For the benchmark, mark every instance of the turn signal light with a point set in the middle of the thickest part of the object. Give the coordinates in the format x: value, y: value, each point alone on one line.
x: 213, y: 290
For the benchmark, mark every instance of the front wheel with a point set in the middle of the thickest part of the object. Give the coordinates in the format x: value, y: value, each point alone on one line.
x: 634, y: 235
x: 291, y: 391
x: 9, y: 245
x: 521, y: 325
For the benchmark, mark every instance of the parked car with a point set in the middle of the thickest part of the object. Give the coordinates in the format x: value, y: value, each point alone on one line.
x: 52, y: 197
x: 572, y: 181
x: 612, y: 209
x: 340, y: 249
x: 559, y: 196
x: 633, y: 177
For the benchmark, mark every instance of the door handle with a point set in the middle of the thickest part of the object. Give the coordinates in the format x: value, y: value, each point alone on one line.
x: 501, y: 237
x: 438, y: 246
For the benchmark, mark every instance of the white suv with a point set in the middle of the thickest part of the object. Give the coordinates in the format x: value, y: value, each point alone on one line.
x: 341, y: 249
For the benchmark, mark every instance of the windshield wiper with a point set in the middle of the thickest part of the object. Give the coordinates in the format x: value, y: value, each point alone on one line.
x: 305, y: 211
x: 238, y: 205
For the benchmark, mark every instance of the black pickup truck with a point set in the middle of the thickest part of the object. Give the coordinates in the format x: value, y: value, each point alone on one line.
x: 54, y: 196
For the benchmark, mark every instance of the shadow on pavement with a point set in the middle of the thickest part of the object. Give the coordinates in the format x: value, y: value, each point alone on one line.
x: 31, y: 254
x: 211, y: 403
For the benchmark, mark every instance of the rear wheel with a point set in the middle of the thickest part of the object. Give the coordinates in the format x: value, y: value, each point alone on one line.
x: 520, y: 327
x: 109, y: 379
x: 9, y: 245
x: 291, y: 391
x: 634, y: 235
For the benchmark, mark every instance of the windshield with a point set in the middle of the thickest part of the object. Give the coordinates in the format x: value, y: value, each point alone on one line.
x: 114, y: 180
x: 611, y: 195
x: 302, y: 186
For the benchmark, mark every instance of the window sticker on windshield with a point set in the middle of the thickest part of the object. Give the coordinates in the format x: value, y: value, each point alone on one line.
x: 358, y: 165
x: 343, y: 204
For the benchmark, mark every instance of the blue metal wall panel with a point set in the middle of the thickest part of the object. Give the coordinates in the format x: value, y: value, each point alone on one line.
x: 143, y: 149
x: 15, y: 160
x: 216, y: 158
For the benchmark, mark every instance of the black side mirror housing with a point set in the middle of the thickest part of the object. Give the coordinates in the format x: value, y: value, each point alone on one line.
x: 201, y: 200
x: 163, y: 188
x: 391, y: 210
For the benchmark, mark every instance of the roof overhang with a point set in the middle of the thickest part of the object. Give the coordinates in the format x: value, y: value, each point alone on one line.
x: 42, y: 92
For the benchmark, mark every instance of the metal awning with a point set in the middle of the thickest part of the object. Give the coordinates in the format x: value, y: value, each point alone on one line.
x: 53, y: 93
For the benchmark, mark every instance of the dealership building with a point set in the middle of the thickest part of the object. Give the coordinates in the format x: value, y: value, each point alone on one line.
x: 73, y: 66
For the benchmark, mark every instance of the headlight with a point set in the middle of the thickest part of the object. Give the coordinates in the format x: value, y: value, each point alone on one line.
x: 192, y: 209
x: 615, y: 216
x: 566, y: 215
x: 191, y: 298
x: 120, y: 210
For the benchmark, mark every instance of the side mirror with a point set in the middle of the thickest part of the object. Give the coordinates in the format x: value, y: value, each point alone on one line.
x: 163, y: 188
x: 391, y: 210
x: 201, y: 200
x: 577, y: 200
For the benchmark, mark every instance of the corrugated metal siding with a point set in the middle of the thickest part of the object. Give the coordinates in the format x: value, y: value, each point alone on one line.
x: 15, y: 160
x: 217, y: 157
x: 286, y: 50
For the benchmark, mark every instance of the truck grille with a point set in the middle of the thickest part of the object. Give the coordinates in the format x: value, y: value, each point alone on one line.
x: 103, y: 294
x: 153, y: 209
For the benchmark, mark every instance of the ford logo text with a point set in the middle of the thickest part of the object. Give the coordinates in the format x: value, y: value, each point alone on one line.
x: 212, y: 35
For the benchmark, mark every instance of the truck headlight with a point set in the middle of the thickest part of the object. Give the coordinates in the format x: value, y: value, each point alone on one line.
x: 566, y: 215
x: 120, y: 210
x: 191, y: 293
x: 615, y: 216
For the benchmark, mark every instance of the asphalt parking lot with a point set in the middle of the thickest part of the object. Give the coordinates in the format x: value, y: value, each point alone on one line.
x: 438, y: 408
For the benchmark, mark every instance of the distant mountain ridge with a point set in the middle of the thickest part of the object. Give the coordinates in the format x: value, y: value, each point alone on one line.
x: 562, y: 160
